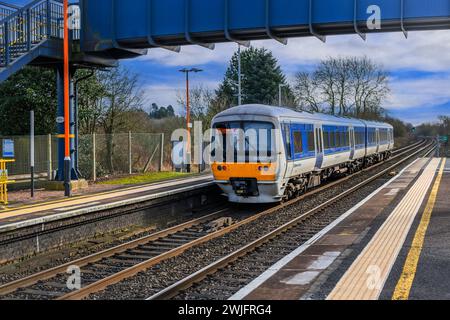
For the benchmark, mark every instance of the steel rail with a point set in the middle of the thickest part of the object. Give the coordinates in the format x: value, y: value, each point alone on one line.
x: 102, y: 284
x: 187, y: 282
x: 131, y: 271
x: 50, y: 273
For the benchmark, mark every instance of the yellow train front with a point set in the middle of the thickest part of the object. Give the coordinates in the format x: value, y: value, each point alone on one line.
x: 248, y: 164
x: 248, y: 182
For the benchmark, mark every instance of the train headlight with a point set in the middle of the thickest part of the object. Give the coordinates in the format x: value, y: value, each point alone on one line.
x: 266, y: 168
x: 219, y: 168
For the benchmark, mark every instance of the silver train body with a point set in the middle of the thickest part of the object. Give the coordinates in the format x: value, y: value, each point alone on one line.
x: 303, y: 150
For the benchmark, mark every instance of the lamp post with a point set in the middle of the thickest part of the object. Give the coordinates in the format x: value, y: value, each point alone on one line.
x: 280, y: 86
x: 188, y: 114
x: 239, y: 76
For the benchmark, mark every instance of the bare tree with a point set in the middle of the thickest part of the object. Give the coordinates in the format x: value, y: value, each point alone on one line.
x: 307, y: 92
x: 344, y: 86
x: 121, y: 95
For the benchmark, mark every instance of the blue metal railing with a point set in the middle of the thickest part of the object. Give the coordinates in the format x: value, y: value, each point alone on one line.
x: 7, y: 9
x: 26, y: 27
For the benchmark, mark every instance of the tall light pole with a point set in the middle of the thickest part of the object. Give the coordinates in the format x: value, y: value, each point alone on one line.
x: 280, y: 87
x: 188, y: 114
x: 239, y: 76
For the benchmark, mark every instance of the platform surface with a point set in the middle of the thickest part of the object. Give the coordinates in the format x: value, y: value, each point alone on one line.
x: 395, y: 244
x: 59, y: 209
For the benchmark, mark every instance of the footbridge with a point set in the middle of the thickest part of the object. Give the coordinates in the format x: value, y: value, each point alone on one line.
x: 111, y: 30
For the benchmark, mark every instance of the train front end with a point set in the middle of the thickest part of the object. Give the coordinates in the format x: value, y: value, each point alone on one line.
x: 246, y: 158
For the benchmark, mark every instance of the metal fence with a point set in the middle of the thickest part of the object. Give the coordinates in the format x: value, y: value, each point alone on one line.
x: 100, y: 155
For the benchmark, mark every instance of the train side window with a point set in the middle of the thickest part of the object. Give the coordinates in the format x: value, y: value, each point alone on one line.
x: 311, y: 146
x: 341, y: 138
x: 360, y: 138
x: 298, y: 145
x: 326, y: 140
x: 335, y: 141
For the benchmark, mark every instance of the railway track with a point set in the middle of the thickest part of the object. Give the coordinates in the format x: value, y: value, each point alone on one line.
x: 226, y: 276
x: 113, y: 265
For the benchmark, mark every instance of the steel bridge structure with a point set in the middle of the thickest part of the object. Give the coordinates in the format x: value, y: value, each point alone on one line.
x: 111, y: 30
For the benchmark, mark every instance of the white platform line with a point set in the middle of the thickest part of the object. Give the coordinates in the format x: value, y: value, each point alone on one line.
x: 241, y: 294
x: 78, y: 207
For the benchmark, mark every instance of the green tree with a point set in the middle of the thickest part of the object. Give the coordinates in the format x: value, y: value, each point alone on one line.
x: 261, y: 77
x: 157, y: 112
x: 30, y: 89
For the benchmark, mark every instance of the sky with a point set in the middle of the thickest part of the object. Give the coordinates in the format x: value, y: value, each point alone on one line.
x: 419, y: 68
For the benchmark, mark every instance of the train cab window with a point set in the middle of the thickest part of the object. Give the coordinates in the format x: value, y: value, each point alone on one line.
x: 246, y: 141
x: 298, y: 143
x: 311, y: 145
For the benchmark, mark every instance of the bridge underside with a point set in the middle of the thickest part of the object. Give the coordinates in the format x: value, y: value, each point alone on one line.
x: 157, y: 23
x: 288, y: 32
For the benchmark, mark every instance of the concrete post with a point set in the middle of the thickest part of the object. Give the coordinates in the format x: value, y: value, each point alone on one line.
x: 130, y: 165
x: 94, y: 159
x: 161, y: 158
x: 50, y: 159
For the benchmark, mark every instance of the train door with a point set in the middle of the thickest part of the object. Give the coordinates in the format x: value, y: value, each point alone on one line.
x: 352, y: 143
x: 288, y: 159
x: 319, y: 147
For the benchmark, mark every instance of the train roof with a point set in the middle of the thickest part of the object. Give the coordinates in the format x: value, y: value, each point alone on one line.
x: 281, y: 112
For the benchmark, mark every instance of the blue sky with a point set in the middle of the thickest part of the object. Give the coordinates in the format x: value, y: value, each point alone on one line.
x: 419, y: 67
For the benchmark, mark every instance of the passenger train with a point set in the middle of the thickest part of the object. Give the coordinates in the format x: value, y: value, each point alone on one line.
x: 294, y: 152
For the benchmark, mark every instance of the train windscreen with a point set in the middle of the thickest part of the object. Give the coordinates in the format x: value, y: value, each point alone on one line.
x: 243, y: 141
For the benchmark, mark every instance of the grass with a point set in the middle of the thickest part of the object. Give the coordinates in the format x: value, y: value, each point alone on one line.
x: 146, y: 178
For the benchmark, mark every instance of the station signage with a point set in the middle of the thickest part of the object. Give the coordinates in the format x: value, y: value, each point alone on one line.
x: 8, y: 148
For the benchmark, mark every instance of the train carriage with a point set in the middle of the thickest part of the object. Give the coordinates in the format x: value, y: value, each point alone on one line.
x: 265, y: 154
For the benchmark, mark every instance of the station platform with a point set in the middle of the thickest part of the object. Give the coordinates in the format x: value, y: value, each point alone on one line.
x: 395, y: 244
x: 44, y: 212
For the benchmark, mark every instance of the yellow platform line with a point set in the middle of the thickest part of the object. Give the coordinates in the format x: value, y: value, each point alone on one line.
x: 366, y: 277
x: 65, y: 200
x: 404, y: 285
x: 50, y: 205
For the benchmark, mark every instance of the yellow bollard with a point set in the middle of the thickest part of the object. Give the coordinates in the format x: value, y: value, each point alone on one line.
x: 4, y: 181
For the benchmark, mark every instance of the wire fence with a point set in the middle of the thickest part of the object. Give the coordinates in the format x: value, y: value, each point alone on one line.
x: 100, y: 155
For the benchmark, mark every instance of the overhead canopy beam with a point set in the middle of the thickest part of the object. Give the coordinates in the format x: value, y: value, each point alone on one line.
x: 227, y: 27
x: 205, y: 22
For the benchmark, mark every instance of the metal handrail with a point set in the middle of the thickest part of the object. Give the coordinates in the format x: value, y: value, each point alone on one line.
x: 29, y: 6
x: 27, y: 27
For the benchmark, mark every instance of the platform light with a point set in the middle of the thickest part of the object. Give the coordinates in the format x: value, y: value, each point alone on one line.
x: 188, y: 111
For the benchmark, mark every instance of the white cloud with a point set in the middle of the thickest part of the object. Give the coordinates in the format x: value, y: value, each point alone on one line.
x: 418, y: 52
x: 419, y: 93
x: 423, y: 51
x: 167, y: 94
